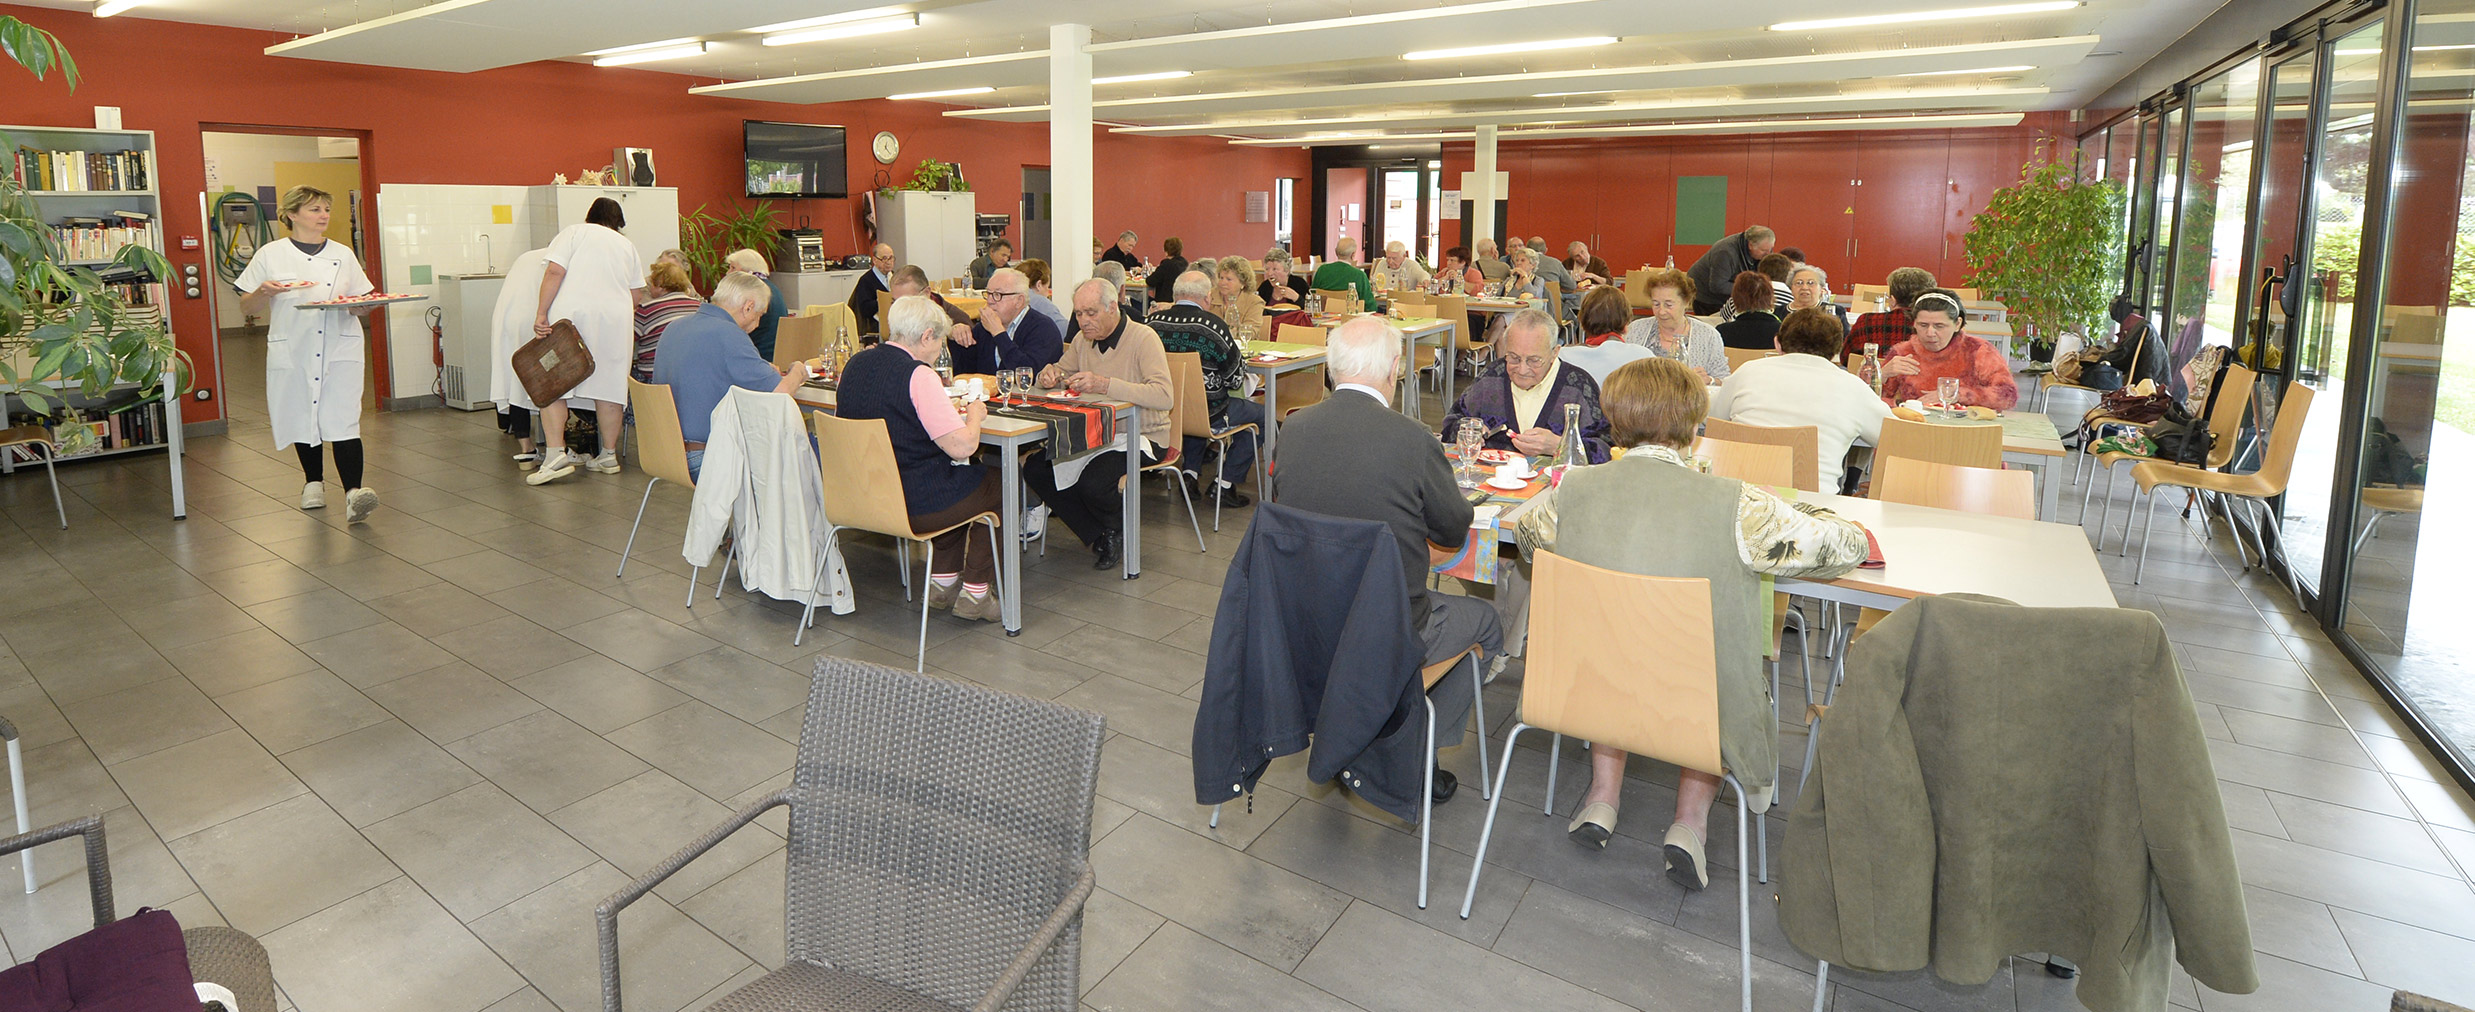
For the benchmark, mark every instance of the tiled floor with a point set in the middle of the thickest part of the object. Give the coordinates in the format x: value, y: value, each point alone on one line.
x: 411, y: 756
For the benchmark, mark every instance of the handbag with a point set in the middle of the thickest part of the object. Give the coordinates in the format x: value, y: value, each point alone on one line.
x: 2140, y: 402
x: 2181, y: 441
x: 553, y: 364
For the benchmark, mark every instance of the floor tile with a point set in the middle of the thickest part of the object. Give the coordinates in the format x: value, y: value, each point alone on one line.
x: 304, y: 709
x: 240, y: 660
x: 705, y: 748
x: 545, y: 760
x: 280, y: 863
x: 452, y: 701
x: 202, y: 783
x: 486, y: 572
x: 375, y: 576
x: 148, y: 718
x: 556, y: 603
x: 1161, y: 718
x: 375, y: 654
x: 639, y: 641
x: 1175, y: 968
x: 746, y: 909
x: 512, y: 647
x: 378, y: 771
x: 1113, y: 927
x: 2287, y: 985
x: 736, y: 682
x: 665, y: 959
x: 477, y: 850
x: 438, y: 609
x: 314, y: 615
x: 431, y: 962
x: 637, y: 823
x: 1380, y: 961
x: 1267, y: 912
x: 144, y: 873
x: 601, y: 694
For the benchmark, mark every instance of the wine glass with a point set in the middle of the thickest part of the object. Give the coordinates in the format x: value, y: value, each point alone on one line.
x: 1466, y: 439
x: 1025, y: 380
x: 1948, y: 388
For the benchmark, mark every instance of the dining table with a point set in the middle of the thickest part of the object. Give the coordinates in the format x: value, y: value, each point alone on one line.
x: 1006, y: 438
x: 1977, y: 310
x: 1271, y: 360
x: 1414, y: 331
x: 2030, y: 439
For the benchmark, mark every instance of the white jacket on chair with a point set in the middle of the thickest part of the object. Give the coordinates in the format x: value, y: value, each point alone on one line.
x: 760, y: 480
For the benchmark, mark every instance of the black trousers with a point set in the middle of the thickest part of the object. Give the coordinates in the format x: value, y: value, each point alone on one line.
x: 1090, y: 507
x: 347, y: 461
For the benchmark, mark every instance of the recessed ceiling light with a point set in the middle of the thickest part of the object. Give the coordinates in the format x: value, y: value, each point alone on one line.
x: 673, y: 51
x: 1919, y: 17
x: 947, y: 93
x: 845, y: 17
x: 1970, y: 70
x: 110, y: 7
x: 844, y: 30
x: 1571, y: 94
x: 1509, y: 47
x: 1165, y: 75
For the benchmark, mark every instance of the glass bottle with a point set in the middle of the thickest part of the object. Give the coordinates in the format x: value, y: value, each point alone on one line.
x: 1573, y: 451
x: 945, y: 364
x: 1314, y: 303
x: 1873, y: 366
x: 1671, y: 261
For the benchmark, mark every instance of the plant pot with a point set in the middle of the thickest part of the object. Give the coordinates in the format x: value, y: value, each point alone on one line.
x: 2039, y: 351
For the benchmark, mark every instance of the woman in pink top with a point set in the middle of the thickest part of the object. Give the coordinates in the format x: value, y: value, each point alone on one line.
x: 1941, y: 348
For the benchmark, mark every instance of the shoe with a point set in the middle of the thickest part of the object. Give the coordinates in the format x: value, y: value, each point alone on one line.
x: 359, y: 504
x: 1684, y: 857
x: 1035, y: 522
x: 1495, y: 669
x: 527, y: 460
x: 313, y: 496
x: 1445, y: 785
x: 1594, y: 826
x: 976, y: 607
x: 607, y: 463
x: 1104, y: 552
x: 1229, y: 496
x: 941, y: 596
x: 555, y: 464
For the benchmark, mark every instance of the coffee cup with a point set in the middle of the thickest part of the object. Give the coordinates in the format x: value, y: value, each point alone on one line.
x: 1512, y: 471
x: 979, y: 389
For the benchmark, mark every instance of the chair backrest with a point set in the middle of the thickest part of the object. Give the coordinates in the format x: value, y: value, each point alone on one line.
x: 1737, y: 357
x: 932, y: 812
x: 1304, y: 387
x: 1965, y: 294
x: 1966, y: 489
x: 797, y: 339
x: 1345, y: 300
x: 1588, y: 675
x: 1412, y: 297
x: 1756, y: 463
x: 1456, y: 309
x: 1964, y: 445
x: 660, y: 448
x: 1803, y: 440
x: 863, y: 485
x: 2284, y: 434
x: 2234, y: 397
x: 885, y: 307
x: 1862, y: 296
x: 1189, y: 404
x: 1637, y: 288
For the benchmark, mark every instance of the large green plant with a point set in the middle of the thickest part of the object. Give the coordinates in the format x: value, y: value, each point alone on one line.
x: 707, y: 237
x: 2050, y: 246
x: 63, y: 326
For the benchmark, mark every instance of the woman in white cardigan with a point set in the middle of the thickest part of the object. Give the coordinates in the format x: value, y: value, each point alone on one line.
x: 1670, y: 330
x: 1805, y: 386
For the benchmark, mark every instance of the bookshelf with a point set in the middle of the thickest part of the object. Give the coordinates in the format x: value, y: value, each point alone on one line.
x: 98, y: 190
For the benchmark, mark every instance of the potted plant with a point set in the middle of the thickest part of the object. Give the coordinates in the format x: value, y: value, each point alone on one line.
x: 2050, y: 246
x: 706, y: 237
x: 935, y: 175
x: 64, y: 326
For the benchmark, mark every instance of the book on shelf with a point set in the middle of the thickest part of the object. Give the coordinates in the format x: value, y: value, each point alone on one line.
x: 135, y: 427
x: 77, y: 171
x: 83, y: 238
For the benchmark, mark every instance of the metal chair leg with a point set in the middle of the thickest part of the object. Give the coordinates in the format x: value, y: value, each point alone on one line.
x: 921, y: 663
x: 1486, y: 831
x: 2369, y: 527
x: 1177, y: 477
x: 807, y: 612
x: 1426, y: 810
x: 695, y: 573
x: 17, y: 789
x: 1478, y: 702
x: 2146, y: 529
x: 640, y: 523
x: 1821, y: 983
x: 1744, y: 898
x: 1555, y: 758
x: 902, y: 554
x: 54, y: 476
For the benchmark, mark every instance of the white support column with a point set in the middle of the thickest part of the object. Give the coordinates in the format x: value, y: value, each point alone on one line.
x: 1484, y: 195
x: 1069, y: 157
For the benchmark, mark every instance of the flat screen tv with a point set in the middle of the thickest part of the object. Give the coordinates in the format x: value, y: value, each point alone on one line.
x: 796, y: 160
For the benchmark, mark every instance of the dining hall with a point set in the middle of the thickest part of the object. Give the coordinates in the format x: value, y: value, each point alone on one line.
x: 618, y: 506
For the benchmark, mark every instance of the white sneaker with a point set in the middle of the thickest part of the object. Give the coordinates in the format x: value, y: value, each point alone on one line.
x: 1035, y: 522
x: 607, y: 463
x: 527, y: 461
x: 313, y: 496
x: 359, y: 504
x: 555, y: 464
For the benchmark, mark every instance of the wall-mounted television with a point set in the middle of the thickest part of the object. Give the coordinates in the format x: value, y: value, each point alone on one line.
x: 796, y: 160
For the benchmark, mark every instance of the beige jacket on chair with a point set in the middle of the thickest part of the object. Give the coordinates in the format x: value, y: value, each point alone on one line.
x: 760, y: 481
x: 1998, y: 780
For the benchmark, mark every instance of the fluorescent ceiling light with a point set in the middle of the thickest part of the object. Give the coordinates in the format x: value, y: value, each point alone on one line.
x: 2375, y: 51
x: 110, y: 7
x: 1165, y: 75
x: 845, y: 17
x: 649, y: 55
x: 1915, y: 96
x: 1920, y: 17
x: 1509, y: 47
x: 1946, y: 120
x: 1971, y: 70
x: 1571, y: 94
x: 946, y: 93
x: 641, y: 46
x: 844, y: 30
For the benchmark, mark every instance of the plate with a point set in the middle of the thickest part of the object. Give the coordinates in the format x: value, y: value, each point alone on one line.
x: 1492, y: 457
x: 375, y: 299
x: 1515, y: 486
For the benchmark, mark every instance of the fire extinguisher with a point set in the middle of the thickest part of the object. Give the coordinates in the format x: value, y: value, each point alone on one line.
x: 438, y: 349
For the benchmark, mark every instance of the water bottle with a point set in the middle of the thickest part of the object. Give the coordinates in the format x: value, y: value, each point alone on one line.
x: 1873, y: 366
x: 1671, y: 261
x: 945, y: 364
x: 1573, y: 451
x: 1881, y: 304
x: 1314, y: 303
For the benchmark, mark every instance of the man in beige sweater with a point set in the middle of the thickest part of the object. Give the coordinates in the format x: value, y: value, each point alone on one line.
x: 1120, y: 359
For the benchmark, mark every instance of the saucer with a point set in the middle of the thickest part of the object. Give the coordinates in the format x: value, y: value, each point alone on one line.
x: 1498, y: 482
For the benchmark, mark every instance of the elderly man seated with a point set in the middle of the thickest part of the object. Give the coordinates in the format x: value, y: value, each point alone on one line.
x: 1942, y: 349
x: 1115, y: 357
x: 1520, y: 398
x: 1008, y: 335
x: 1000, y: 255
x: 871, y: 285
x: 910, y: 280
x: 1190, y: 325
x: 933, y: 443
x: 1353, y: 456
x: 704, y: 355
x: 1398, y: 272
x: 1341, y: 273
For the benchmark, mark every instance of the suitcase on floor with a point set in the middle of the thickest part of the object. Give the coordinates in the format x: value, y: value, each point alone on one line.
x: 551, y: 365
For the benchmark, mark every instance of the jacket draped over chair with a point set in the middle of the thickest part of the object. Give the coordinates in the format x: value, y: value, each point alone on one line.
x: 760, y: 483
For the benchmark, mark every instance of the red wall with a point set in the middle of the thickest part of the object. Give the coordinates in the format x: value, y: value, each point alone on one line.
x: 1917, y: 193
x: 521, y: 124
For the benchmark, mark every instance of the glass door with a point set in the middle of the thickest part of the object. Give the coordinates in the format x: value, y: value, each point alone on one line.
x: 2285, y: 158
x: 2161, y: 224
x: 2140, y: 170
x: 2208, y: 292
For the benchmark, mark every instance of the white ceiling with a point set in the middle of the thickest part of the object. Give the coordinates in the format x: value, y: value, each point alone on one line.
x: 1292, y: 68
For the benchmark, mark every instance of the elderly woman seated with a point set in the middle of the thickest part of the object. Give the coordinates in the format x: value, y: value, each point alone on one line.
x: 1652, y: 512
x: 1234, y: 298
x: 1520, y: 399
x: 933, y: 443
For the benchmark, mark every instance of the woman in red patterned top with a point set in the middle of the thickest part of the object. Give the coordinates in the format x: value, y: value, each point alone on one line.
x: 669, y: 296
x: 1942, y: 349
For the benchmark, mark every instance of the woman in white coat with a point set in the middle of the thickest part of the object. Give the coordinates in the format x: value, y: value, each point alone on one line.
x: 314, y: 357
x: 592, y: 278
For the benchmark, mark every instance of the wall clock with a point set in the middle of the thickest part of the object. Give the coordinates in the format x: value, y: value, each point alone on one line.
x: 886, y: 147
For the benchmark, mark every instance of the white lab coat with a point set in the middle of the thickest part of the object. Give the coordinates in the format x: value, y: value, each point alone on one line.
x: 511, y: 325
x: 760, y: 480
x: 314, y: 357
x: 603, y: 270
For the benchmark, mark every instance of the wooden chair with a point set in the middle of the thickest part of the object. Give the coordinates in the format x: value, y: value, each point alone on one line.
x: 1456, y: 309
x: 1188, y: 368
x: 1989, y: 490
x: 796, y: 339
x: 2226, y: 413
x: 1862, y: 297
x: 2383, y: 501
x: 1182, y: 412
x: 1637, y: 290
x: 1772, y: 464
x: 1737, y: 357
x: 1966, y: 294
x: 31, y: 436
x: 2256, y: 488
x: 1964, y: 445
x: 662, y: 452
x: 1340, y: 303
x: 863, y: 492
x: 1585, y: 678
x: 1304, y: 388
x: 885, y: 308
x: 1804, y: 440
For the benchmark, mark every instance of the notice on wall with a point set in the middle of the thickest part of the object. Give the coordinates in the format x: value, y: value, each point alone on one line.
x: 1451, y: 201
x: 1701, y: 210
x: 214, y: 172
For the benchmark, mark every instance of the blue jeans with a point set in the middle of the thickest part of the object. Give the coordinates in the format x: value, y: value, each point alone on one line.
x: 696, y: 463
x: 1240, y: 456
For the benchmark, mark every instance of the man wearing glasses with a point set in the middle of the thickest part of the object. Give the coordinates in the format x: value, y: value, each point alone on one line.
x: 880, y: 277
x: 1008, y: 335
x: 1521, y: 400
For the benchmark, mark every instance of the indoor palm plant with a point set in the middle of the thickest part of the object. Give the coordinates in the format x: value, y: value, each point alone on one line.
x: 705, y: 237
x: 62, y: 326
x: 2050, y: 248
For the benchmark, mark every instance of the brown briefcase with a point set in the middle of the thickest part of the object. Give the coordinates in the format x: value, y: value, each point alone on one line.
x: 551, y: 366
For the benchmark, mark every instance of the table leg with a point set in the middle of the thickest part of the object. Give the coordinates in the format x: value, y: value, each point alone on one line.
x: 2049, y: 488
x: 1130, y: 514
x: 1452, y: 361
x: 1010, y: 535
x: 1271, y: 414
x: 1409, y: 375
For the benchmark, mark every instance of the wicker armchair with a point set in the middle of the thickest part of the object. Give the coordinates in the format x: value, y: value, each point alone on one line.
x: 221, y: 955
x: 938, y: 842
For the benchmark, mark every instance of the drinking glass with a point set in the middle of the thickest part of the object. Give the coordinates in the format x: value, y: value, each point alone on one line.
x: 1022, y: 384
x: 1466, y: 440
x: 1948, y: 388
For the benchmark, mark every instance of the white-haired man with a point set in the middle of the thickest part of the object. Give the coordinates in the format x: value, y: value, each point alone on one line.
x: 1118, y: 358
x: 880, y: 276
x: 1188, y: 325
x: 1123, y: 254
x: 1008, y: 335
x: 748, y: 261
x: 1489, y: 259
x: 1342, y: 273
x: 1398, y: 272
x: 1354, y: 456
x: 704, y: 355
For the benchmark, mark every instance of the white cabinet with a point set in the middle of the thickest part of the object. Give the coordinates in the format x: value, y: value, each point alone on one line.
x: 816, y: 288
x: 652, y: 214
x: 469, y: 305
x: 932, y: 230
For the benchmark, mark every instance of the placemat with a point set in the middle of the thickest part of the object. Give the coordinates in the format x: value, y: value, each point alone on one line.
x: 1074, y: 429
